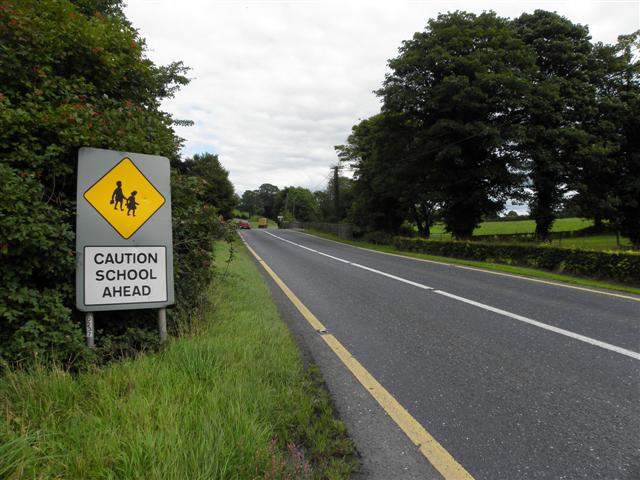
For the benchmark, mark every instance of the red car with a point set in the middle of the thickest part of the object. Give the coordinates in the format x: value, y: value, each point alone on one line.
x: 244, y: 225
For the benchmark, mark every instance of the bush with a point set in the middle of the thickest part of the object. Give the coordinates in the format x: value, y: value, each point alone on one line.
x: 73, y: 76
x: 617, y: 266
x: 378, y: 237
x: 37, y: 274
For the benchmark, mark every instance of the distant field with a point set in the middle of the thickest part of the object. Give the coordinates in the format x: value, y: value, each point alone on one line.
x: 596, y: 242
x: 521, y: 226
x: 529, y: 226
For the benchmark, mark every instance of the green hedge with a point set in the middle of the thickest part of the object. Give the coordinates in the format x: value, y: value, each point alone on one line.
x: 616, y: 266
x: 69, y: 78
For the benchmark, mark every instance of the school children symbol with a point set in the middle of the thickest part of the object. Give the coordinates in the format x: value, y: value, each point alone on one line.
x: 118, y: 196
x: 124, y: 198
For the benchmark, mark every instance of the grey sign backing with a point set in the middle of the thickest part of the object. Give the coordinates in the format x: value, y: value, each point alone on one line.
x: 113, y: 272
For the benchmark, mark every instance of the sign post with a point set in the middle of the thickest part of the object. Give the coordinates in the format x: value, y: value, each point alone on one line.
x: 124, y: 244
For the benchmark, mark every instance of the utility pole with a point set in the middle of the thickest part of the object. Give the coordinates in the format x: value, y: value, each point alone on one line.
x: 336, y: 194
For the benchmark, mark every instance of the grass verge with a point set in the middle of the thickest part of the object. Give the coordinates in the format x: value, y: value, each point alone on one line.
x: 497, y: 267
x: 233, y: 401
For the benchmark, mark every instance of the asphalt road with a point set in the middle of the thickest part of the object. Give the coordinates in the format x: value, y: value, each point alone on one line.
x: 461, y: 350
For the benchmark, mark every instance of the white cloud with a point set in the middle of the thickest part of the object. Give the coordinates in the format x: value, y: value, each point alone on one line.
x: 276, y: 84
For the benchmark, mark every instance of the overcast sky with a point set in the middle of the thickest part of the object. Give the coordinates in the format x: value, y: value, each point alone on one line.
x: 277, y: 83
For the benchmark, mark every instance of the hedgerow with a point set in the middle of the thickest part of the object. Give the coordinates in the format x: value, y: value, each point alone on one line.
x: 75, y: 74
x: 617, y: 266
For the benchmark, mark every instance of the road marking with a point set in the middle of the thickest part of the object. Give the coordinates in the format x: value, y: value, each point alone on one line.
x: 357, y: 265
x: 561, y: 331
x: 433, y: 451
x: 547, y: 282
x: 514, y: 316
x: 482, y: 270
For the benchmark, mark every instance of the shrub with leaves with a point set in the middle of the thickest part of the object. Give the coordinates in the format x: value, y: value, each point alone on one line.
x: 73, y: 74
x: 617, y: 266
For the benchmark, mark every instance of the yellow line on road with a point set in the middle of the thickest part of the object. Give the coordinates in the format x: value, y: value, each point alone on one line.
x: 435, y: 453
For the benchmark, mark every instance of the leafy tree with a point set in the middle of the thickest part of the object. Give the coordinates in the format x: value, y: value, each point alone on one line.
x: 218, y: 190
x: 297, y: 203
x: 624, y: 81
x: 326, y: 199
x: 606, y: 181
x: 104, y: 7
x: 371, y: 150
x: 268, y: 195
x: 251, y: 202
x: 459, y: 87
x: 561, y: 100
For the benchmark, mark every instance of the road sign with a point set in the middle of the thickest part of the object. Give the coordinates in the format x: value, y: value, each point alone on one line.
x: 124, y: 245
x: 124, y: 275
x: 124, y: 198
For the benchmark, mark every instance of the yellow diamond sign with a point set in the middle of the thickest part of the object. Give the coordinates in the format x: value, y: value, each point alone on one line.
x: 124, y: 198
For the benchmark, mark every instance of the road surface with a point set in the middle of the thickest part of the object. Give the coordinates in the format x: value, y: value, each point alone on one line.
x: 514, y: 378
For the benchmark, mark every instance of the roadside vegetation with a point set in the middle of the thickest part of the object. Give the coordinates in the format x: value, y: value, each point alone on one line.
x: 231, y: 399
x: 486, y: 265
x: 72, y: 74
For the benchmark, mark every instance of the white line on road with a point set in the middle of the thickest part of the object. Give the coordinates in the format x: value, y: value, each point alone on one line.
x: 551, y: 328
x: 481, y: 270
x: 373, y: 270
x: 514, y: 316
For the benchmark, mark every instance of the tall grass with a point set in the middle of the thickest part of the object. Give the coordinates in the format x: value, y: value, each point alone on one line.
x: 221, y: 404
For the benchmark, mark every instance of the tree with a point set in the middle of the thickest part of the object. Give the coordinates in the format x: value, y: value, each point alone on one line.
x: 251, y: 202
x: 561, y: 100
x: 326, y: 199
x: 606, y: 182
x: 458, y: 86
x: 371, y: 150
x: 218, y: 190
x: 297, y: 203
x: 268, y: 193
x: 625, y: 85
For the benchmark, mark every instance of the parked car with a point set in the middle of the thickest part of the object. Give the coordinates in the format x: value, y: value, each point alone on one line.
x: 244, y: 225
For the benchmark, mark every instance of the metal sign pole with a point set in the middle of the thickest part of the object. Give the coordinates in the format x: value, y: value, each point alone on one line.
x: 88, y: 320
x: 162, y: 324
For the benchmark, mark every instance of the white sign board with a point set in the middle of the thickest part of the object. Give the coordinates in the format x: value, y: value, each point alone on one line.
x: 124, y: 244
x: 125, y: 275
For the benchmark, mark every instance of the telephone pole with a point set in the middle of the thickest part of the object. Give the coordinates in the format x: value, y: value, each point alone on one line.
x: 336, y: 194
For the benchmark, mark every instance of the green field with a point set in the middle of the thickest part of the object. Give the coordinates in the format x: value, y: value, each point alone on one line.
x: 233, y: 401
x: 520, y: 226
x: 595, y: 242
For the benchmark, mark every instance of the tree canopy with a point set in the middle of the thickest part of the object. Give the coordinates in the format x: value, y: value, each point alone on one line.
x: 297, y: 203
x: 217, y: 191
x: 478, y: 109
